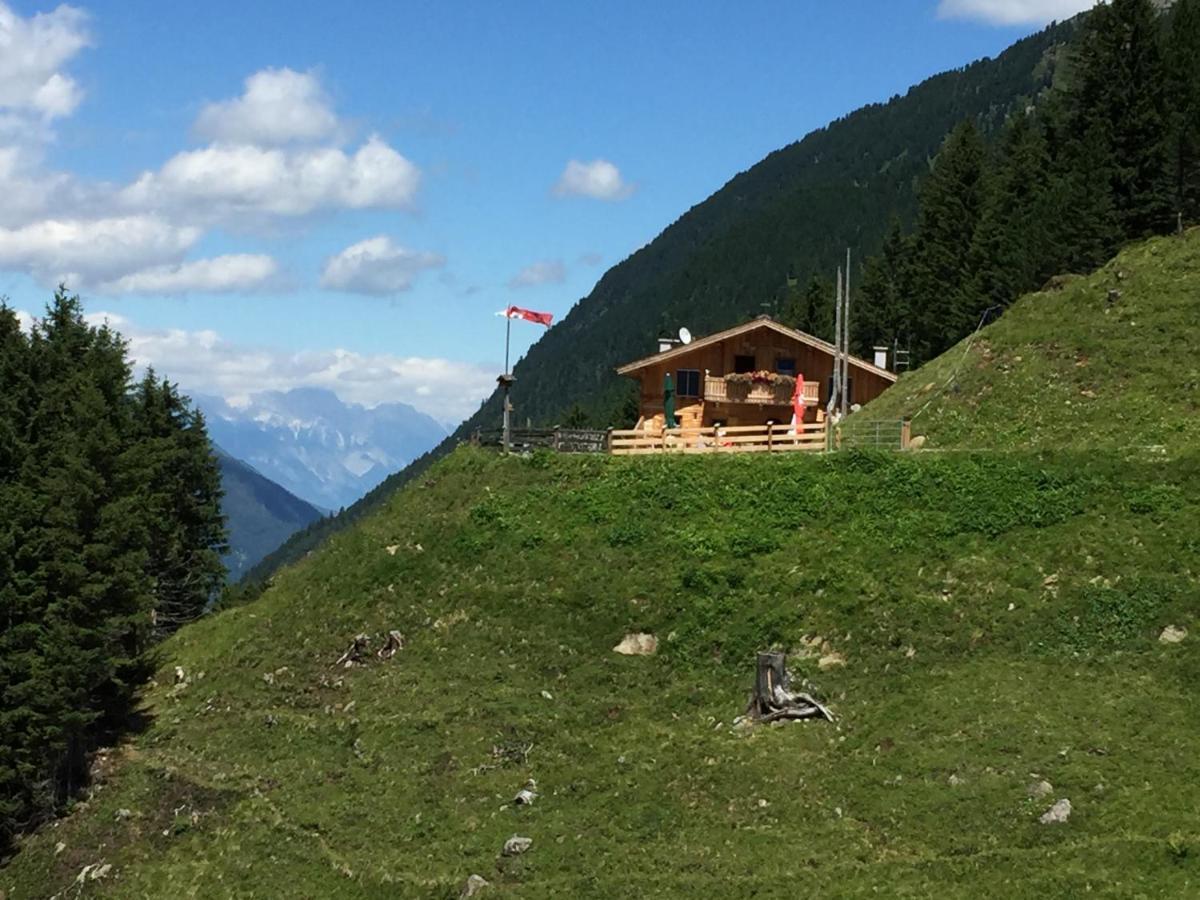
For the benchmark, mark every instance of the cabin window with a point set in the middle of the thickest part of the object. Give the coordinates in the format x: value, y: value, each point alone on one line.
x: 743, y: 363
x: 687, y: 382
x: 785, y: 365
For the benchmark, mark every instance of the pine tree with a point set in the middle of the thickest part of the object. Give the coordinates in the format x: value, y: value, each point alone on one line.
x: 943, y: 308
x: 1183, y: 93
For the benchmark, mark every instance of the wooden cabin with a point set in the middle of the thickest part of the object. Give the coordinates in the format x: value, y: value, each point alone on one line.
x: 752, y: 353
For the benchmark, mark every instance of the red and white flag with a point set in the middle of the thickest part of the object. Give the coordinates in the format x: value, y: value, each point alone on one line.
x: 516, y: 312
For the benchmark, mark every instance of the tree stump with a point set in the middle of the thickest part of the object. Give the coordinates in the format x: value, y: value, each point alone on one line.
x: 772, y: 698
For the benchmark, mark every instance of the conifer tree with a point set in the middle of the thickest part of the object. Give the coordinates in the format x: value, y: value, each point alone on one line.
x: 952, y: 201
x: 810, y: 308
x: 180, y: 493
x: 1118, y: 105
x: 1183, y: 93
x: 1009, y: 255
x: 881, y: 302
x: 109, y: 507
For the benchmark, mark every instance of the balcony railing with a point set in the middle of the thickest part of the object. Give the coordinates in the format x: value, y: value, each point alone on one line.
x: 718, y: 390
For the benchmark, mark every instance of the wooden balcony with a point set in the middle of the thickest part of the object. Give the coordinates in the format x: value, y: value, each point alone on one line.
x: 718, y: 390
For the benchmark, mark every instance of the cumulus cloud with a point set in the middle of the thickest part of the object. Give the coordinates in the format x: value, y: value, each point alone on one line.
x: 598, y: 179
x: 85, y: 252
x: 273, y: 154
x: 376, y: 266
x: 278, y: 106
x: 220, y: 274
x: 223, y: 182
x: 32, y: 53
x: 546, y: 271
x: 1012, y: 12
x: 206, y: 363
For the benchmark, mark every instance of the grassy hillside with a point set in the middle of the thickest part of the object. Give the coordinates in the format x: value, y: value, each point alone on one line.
x: 259, y: 513
x: 1108, y: 360
x: 998, y: 618
x: 791, y: 214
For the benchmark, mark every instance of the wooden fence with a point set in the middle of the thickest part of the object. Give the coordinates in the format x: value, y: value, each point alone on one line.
x: 888, y: 434
x: 564, y: 440
x: 726, y: 439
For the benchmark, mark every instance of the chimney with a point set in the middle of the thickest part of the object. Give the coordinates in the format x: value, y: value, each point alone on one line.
x: 881, y: 357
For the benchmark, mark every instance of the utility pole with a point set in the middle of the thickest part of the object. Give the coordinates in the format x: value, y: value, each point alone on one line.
x: 846, y: 339
x: 836, y: 381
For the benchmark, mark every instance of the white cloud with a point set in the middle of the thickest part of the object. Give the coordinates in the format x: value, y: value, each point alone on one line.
x: 85, y: 252
x: 546, y: 271
x: 204, y: 362
x: 278, y: 106
x: 220, y: 274
x: 598, y: 179
x: 1012, y: 12
x: 377, y: 266
x: 224, y: 182
x: 32, y: 52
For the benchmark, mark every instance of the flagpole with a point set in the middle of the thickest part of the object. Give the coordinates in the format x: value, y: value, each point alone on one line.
x: 506, y: 383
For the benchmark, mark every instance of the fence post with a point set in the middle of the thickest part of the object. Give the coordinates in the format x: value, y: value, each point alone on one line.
x: 608, y: 441
x: 770, y: 441
x: 557, y: 437
x: 905, y: 432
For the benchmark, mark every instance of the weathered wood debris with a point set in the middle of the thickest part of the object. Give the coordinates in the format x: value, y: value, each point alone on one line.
x: 359, y: 651
x: 773, y: 700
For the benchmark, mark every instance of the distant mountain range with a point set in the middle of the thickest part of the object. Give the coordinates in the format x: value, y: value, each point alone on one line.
x: 324, y: 451
x: 259, y: 514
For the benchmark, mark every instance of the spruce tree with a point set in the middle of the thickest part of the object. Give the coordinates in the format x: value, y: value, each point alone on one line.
x: 810, y: 308
x: 881, y: 301
x: 1009, y: 255
x: 1118, y: 104
x: 1183, y: 93
x: 179, y: 491
x: 943, y: 308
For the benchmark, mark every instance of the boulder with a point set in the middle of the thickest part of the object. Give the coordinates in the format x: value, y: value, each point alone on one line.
x: 916, y: 442
x: 516, y: 845
x: 474, y: 886
x: 639, y: 644
x: 1057, y: 814
x: 832, y: 660
x: 1172, y: 634
x: 1040, y: 789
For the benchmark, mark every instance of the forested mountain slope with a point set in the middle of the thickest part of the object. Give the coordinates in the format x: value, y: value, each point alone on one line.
x: 259, y: 514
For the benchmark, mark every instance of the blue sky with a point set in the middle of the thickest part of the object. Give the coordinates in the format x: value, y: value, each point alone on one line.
x: 271, y: 194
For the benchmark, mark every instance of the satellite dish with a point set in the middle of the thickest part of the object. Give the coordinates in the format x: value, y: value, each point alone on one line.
x: 685, y: 336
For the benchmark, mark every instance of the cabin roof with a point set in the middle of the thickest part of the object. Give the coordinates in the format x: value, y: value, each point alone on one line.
x: 752, y: 325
